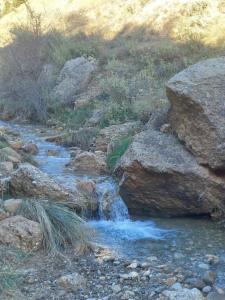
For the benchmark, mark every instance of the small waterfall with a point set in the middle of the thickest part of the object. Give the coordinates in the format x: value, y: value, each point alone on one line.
x: 111, y: 205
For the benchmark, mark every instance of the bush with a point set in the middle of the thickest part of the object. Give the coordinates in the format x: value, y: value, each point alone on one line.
x: 120, y: 147
x: 59, y: 224
x: 75, y: 118
x: 21, y: 64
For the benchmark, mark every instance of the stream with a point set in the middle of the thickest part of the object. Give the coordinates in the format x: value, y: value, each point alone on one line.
x: 178, y: 242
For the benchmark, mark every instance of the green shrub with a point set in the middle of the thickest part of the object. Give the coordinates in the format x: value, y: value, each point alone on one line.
x: 117, y: 114
x: 115, y: 89
x: 120, y: 147
x: 59, y: 224
x: 75, y: 118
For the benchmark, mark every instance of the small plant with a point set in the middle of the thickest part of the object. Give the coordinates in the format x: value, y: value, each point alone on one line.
x: 60, y: 225
x: 119, y: 148
x: 75, y: 118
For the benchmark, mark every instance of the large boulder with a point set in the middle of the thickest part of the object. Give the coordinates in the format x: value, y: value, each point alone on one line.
x: 73, y: 78
x: 115, y: 132
x: 197, y: 97
x: 159, y: 177
x: 30, y: 181
x: 89, y: 163
x: 21, y: 233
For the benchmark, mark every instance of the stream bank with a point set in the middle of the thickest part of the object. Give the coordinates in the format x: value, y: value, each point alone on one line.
x: 161, y: 252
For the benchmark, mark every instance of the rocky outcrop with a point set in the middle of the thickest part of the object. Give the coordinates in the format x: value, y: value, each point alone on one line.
x: 30, y: 181
x: 89, y: 163
x: 159, y: 177
x: 115, y: 132
x: 73, y: 77
x: 10, y: 155
x: 197, y: 97
x: 21, y: 233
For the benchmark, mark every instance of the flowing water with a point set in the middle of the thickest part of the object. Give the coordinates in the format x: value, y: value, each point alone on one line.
x: 177, y: 242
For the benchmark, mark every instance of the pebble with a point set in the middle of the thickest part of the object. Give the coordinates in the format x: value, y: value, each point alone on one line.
x: 127, y: 295
x: 207, y: 289
x: 133, y: 265
x: 203, y: 266
x: 116, y: 288
x: 131, y: 275
x: 215, y: 296
x: 176, y: 286
x: 195, y: 282
x: 212, y: 259
x: 209, y: 277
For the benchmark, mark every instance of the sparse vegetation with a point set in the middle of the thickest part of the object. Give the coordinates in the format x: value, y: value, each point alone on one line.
x: 134, y: 61
x: 59, y: 224
x: 120, y: 147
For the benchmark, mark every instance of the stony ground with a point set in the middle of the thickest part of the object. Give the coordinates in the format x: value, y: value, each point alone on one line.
x: 101, y: 275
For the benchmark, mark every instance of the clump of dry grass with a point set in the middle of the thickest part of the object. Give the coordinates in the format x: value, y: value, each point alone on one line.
x: 60, y: 225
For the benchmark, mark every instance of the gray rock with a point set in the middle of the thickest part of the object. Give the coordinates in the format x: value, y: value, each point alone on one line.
x: 108, y: 136
x: 21, y: 233
x: 89, y: 163
x: 159, y: 177
x: 12, y: 205
x: 72, y: 282
x: 197, y: 97
x: 183, y: 294
x: 73, y: 78
x: 215, y: 296
x: 207, y: 289
x: 209, y: 277
x: 116, y: 288
x: 30, y: 181
x: 3, y: 214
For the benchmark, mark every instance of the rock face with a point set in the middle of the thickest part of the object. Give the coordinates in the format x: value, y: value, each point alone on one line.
x: 21, y: 233
x: 30, y: 181
x: 159, y: 177
x: 197, y: 114
x: 89, y: 163
x: 73, y: 78
x: 115, y: 132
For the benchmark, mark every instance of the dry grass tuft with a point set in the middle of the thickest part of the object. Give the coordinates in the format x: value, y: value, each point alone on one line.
x: 60, y: 225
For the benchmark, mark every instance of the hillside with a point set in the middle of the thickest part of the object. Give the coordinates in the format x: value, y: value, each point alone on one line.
x: 138, y: 44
